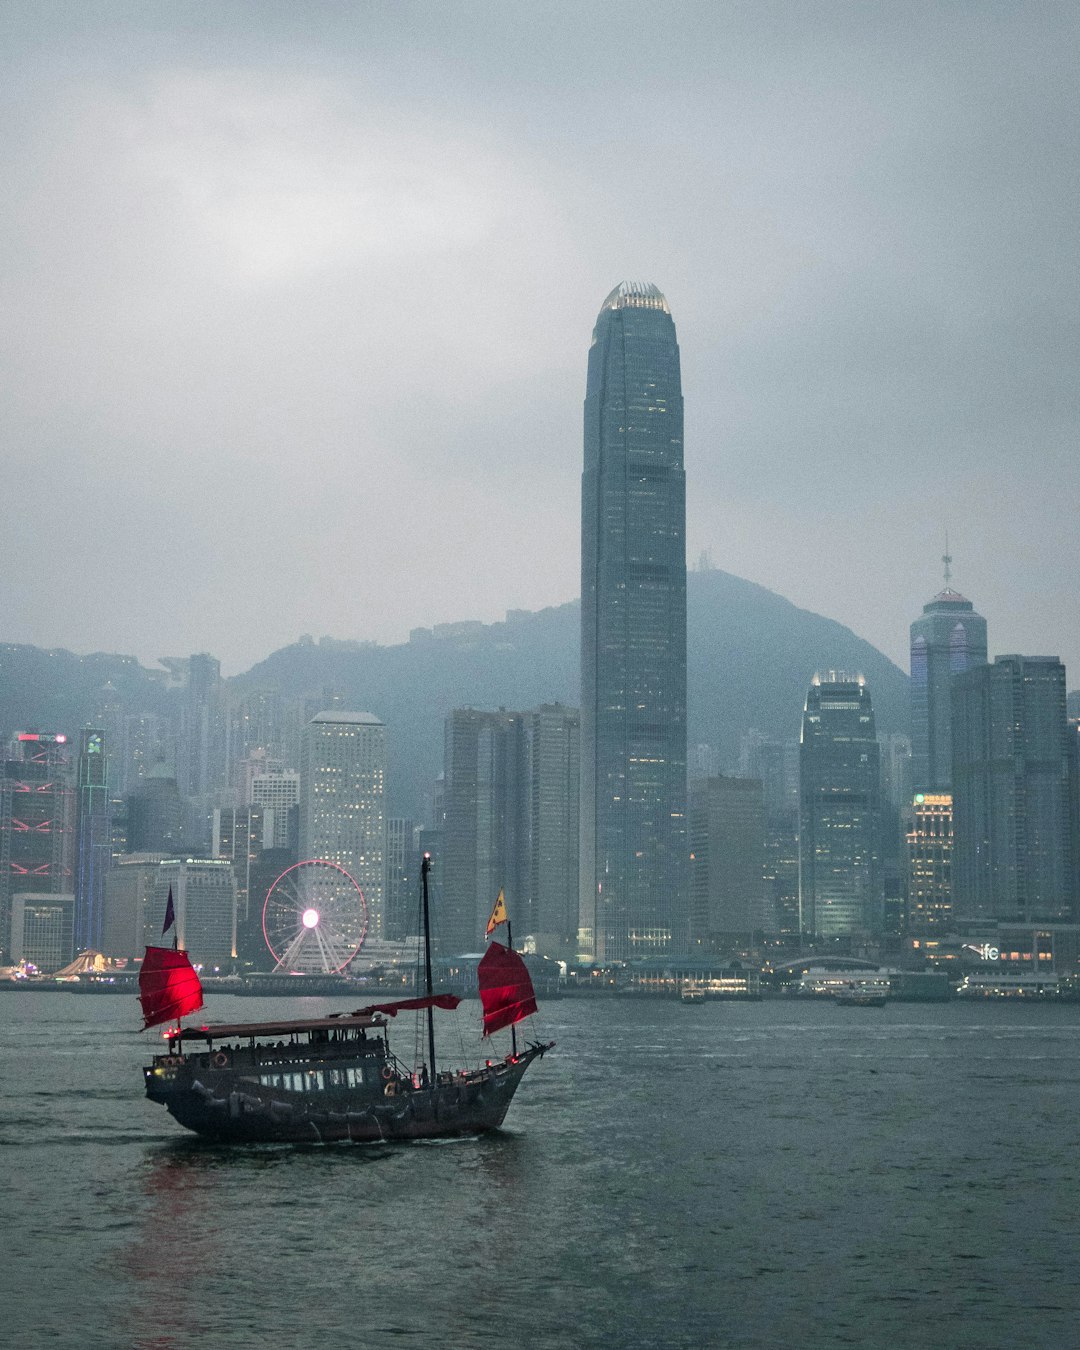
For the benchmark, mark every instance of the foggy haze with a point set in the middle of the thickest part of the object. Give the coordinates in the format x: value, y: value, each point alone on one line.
x: 298, y: 300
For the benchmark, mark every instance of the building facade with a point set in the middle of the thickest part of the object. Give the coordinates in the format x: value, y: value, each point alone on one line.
x: 402, y: 875
x: 728, y: 900
x: 278, y: 792
x: 553, y: 737
x: 1014, y: 786
x: 947, y: 639
x: 43, y: 930
x: 204, y: 900
x: 776, y: 764
x: 633, y: 850
x: 131, y: 920
x: 840, y: 878
x: 239, y: 835
x: 484, y: 823
x: 37, y: 821
x: 342, y: 804
x: 93, y: 840
x: 929, y: 850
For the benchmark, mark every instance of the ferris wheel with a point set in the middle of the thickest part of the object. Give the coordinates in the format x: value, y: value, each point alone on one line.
x: 314, y: 919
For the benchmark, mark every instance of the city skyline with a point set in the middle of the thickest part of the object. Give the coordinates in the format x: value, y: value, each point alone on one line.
x: 238, y: 283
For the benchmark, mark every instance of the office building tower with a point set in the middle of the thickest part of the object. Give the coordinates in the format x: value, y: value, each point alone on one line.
x: 553, y: 745
x: 93, y: 841
x: 947, y: 639
x: 633, y: 854
x: 728, y: 901
x: 776, y: 764
x: 43, y: 930
x: 149, y: 742
x: 155, y: 814
x: 37, y: 821
x: 1015, y: 847
x: 840, y: 881
x: 202, y: 740
x: 204, y: 900
x: 264, y: 871
x: 929, y: 849
x: 484, y: 824
x: 402, y: 878
x: 896, y: 822
x: 109, y: 717
x: 131, y: 920
x: 240, y: 834
x: 508, y: 812
x: 342, y: 806
x: 280, y: 793
x: 255, y: 728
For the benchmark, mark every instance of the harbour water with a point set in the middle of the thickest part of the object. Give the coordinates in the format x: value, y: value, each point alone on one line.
x: 783, y: 1173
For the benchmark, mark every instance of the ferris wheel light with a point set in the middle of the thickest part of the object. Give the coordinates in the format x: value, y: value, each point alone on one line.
x: 314, y: 918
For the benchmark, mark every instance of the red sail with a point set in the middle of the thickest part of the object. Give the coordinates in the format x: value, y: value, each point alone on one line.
x: 506, y: 989
x: 447, y: 1001
x: 168, y: 986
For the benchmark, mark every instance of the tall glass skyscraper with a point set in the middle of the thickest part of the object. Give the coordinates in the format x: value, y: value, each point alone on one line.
x: 633, y: 864
x: 840, y: 878
x: 1014, y: 784
x: 947, y: 639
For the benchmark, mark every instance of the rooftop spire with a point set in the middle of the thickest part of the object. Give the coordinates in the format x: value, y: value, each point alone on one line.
x: 946, y: 558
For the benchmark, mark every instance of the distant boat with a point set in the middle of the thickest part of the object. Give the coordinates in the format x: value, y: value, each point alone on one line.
x: 692, y: 993
x: 334, y: 1077
x: 866, y: 995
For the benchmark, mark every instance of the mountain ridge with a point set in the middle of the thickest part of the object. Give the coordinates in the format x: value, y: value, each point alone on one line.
x: 751, y: 655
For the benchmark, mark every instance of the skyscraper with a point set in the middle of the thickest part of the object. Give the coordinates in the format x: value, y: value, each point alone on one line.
x: 402, y: 873
x: 342, y: 811
x: 947, y: 639
x: 633, y: 858
x: 484, y: 824
x: 280, y: 793
x: 1014, y: 764
x: 930, y: 847
x: 553, y: 733
x: 840, y: 883
x: 37, y: 819
x: 93, y: 852
x: 728, y: 901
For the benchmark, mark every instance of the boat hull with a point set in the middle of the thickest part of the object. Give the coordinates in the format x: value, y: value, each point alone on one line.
x: 225, y: 1105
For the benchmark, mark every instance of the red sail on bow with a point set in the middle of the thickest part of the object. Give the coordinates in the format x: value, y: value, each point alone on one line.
x: 506, y: 989
x: 168, y: 986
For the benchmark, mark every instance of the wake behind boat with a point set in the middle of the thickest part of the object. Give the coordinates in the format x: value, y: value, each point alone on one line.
x: 334, y: 1077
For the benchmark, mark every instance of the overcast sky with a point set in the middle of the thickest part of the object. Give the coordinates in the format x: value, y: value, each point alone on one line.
x: 296, y: 301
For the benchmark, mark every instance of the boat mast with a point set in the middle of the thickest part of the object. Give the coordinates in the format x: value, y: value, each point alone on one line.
x: 425, y: 868
x: 513, y: 1029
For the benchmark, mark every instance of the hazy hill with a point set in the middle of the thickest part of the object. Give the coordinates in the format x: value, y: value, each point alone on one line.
x: 751, y: 656
x: 57, y: 690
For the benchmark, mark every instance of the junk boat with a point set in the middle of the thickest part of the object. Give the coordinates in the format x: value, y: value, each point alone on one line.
x: 335, y: 1077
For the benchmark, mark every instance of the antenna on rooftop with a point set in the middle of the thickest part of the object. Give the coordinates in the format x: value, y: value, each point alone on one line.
x: 946, y: 558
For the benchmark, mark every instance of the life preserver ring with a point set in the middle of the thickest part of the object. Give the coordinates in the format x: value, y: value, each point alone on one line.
x: 221, y: 1060
x: 390, y: 1090
x: 387, y: 1072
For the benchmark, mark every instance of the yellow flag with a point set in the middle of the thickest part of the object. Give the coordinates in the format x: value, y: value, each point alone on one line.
x: 498, y: 915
